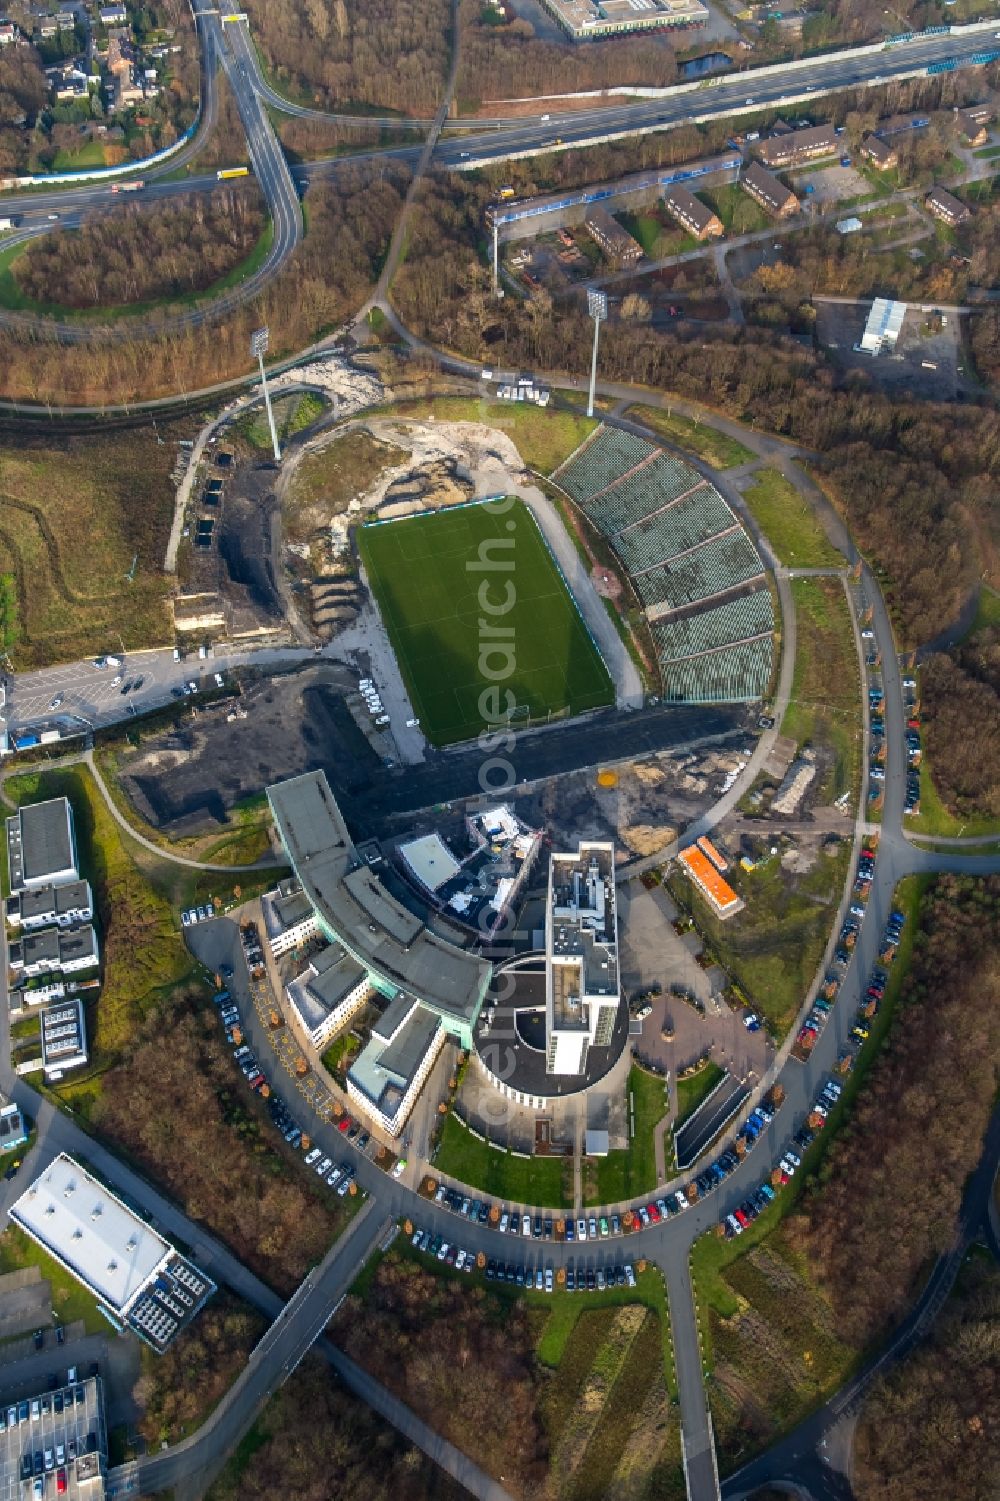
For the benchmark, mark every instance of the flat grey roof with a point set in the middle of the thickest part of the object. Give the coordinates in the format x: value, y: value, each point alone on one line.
x: 59, y: 899
x: 351, y: 900
x: 46, y: 839
x: 382, y: 1070
x: 337, y: 974
x: 90, y: 1231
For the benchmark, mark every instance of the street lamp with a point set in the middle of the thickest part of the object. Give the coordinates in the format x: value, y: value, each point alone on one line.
x: 258, y: 347
x: 597, y: 307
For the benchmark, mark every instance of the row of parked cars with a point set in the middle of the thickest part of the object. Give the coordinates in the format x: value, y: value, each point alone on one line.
x: 339, y: 1178
x: 192, y: 915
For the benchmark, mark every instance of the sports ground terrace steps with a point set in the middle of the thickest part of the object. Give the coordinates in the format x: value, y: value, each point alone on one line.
x: 698, y: 574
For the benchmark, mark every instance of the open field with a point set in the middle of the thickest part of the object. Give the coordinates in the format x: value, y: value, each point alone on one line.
x: 430, y: 575
x: 773, y: 948
x: 627, y: 1173
x: 706, y: 442
x: 788, y: 523
x: 739, y: 213
x: 544, y: 1181
x: 544, y: 437
x: 824, y: 710
x: 74, y: 516
x: 572, y: 1403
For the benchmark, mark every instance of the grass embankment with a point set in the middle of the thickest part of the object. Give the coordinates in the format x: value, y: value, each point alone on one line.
x: 824, y: 711
x: 628, y: 1172
x: 426, y: 572
x: 788, y: 523
x: 85, y: 528
x: 766, y: 1328
x: 544, y: 436
x: 328, y: 478
x: 693, y: 1091
x: 244, y: 840
x: 545, y: 1181
x: 700, y: 438
x: 292, y: 414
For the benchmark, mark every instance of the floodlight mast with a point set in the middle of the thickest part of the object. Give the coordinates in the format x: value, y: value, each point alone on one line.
x: 597, y: 307
x: 258, y: 347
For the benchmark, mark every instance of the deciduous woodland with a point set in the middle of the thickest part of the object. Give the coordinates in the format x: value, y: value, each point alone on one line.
x: 180, y: 1109
x: 135, y: 254
x: 314, y: 1440
x: 892, y: 1186
x: 961, y: 697
x: 387, y: 54
x: 328, y: 277
x: 929, y: 1429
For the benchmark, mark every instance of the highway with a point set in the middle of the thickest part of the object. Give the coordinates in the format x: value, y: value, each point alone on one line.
x: 496, y: 141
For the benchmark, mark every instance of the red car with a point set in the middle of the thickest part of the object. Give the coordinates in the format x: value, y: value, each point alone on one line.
x: 654, y: 1213
x: 344, y: 1124
x: 741, y: 1217
x: 61, y: 1481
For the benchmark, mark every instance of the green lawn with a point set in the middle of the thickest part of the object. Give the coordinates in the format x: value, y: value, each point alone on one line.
x: 628, y: 1172
x: 739, y: 213
x: 291, y: 415
x: 90, y: 154
x: 693, y: 1091
x: 481, y: 620
x: 825, y: 706
x: 540, y: 1181
x: 700, y: 438
x: 342, y: 1047
x: 544, y: 436
x: 789, y: 524
x: 70, y: 1299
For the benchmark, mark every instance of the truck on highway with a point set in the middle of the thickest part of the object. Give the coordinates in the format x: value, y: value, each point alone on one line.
x: 225, y: 173
x: 128, y: 187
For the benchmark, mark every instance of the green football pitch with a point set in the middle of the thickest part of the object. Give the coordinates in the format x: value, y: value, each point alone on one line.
x: 435, y: 597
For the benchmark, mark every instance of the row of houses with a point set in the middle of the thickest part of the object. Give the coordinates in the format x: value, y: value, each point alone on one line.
x: 51, y: 909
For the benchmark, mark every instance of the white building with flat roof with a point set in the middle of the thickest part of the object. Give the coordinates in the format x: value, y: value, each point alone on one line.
x: 388, y: 1074
x: 885, y: 322
x: 582, y: 992
x: 41, y: 845
x: 123, y: 1261
x: 327, y: 994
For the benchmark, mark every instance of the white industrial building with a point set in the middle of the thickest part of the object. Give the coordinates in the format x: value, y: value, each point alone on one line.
x: 883, y: 327
x: 136, y: 1276
x: 582, y: 993
x: 60, y: 950
x: 64, y: 1038
x: 41, y: 845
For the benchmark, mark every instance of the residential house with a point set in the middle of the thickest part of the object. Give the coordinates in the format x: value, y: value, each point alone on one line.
x: 691, y: 213
x: 882, y: 156
x: 766, y: 190
x: 946, y: 207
